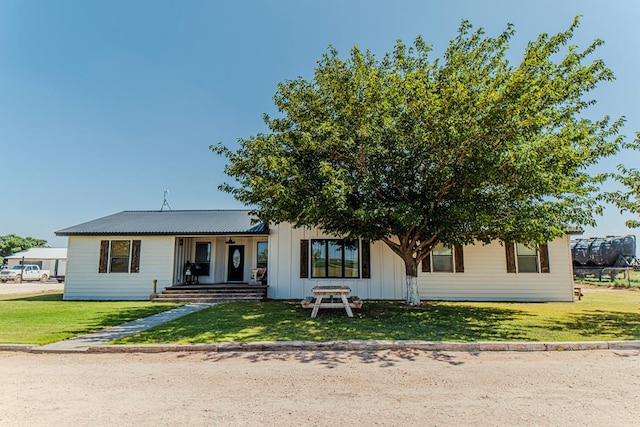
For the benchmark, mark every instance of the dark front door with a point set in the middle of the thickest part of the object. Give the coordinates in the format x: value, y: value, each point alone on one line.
x: 236, y: 264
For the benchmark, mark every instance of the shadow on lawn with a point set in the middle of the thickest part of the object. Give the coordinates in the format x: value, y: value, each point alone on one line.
x: 281, y: 321
x: 619, y: 325
x: 57, y: 296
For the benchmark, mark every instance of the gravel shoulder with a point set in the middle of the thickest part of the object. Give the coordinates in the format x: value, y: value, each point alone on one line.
x: 11, y: 288
x: 322, y: 388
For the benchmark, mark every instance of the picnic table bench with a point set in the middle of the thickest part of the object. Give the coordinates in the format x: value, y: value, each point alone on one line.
x: 342, y: 300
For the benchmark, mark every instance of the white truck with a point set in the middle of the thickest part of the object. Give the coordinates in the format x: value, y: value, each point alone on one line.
x: 27, y: 272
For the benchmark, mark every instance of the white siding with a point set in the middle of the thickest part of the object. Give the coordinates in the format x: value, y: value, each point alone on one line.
x: 83, y: 282
x: 485, y: 277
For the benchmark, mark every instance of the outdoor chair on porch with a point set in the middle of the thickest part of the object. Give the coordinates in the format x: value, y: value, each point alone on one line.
x: 259, y: 275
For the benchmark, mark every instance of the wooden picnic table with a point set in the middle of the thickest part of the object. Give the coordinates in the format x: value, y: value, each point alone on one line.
x: 321, y: 292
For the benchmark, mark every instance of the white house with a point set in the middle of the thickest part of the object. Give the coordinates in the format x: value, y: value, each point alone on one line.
x: 119, y: 256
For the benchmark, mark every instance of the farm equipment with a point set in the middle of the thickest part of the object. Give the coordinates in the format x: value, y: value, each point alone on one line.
x: 604, y: 256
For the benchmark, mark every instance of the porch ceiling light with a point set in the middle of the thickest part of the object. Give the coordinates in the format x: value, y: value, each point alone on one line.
x: 230, y: 241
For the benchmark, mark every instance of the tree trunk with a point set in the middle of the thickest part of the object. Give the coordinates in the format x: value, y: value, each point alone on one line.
x: 411, y: 268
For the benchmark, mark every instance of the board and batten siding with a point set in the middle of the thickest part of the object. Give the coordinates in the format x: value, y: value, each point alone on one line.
x: 485, y: 276
x: 284, y: 268
x: 83, y: 282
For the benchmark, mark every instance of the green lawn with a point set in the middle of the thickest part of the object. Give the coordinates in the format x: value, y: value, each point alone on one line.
x: 45, y: 318
x: 601, y: 315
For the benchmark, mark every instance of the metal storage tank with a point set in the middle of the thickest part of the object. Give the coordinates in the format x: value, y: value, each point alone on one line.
x: 603, y: 251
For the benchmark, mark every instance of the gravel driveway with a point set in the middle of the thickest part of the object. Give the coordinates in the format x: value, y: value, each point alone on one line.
x: 29, y: 287
x: 574, y: 388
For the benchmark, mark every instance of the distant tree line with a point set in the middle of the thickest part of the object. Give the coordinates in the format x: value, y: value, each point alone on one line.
x: 11, y: 243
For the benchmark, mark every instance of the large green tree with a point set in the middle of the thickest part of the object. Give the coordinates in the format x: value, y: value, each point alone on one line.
x: 413, y: 151
x: 627, y: 199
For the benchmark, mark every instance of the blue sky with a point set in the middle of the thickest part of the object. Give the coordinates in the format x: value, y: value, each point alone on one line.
x: 105, y: 104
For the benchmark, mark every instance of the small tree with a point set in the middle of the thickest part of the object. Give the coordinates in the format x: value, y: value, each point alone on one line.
x: 413, y: 152
x: 12, y: 243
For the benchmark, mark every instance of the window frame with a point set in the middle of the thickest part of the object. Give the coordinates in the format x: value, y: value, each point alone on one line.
x: 262, y: 264
x: 326, y: 245
x: 543, y: 260
x: 451, y: 256
x: 106, y: 257
x: 202, y: 266
x: 457, y: 260
x: 536, y: 255
x: 128, y: 257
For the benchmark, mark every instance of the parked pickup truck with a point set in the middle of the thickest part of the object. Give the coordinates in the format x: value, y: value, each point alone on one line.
x: 18, y: 273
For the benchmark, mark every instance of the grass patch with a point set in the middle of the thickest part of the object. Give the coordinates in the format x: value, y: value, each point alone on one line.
x: 601, y: 315
x: 633, y: 281
x: 46, y: 318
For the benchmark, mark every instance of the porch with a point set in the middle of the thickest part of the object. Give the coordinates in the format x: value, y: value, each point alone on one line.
x: 214, y: 261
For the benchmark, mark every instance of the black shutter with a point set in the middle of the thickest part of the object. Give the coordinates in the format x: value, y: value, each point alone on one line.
x: 426, y: 264
x: 135, y: 256
x: 459, y: 258
x: 511, y: 257
x: 366, y: 259
x: 544, y: 258
x: 304, y: 259
x: 104, y: 256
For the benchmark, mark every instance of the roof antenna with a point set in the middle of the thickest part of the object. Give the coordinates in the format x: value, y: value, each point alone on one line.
x: 165, y: 202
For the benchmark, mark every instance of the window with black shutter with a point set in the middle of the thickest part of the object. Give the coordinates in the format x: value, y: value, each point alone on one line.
x: 527, y: 258
x: 444, y: 259
x: 119, y: 256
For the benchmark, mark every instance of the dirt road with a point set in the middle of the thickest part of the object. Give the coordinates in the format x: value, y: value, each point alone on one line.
x: 305, y: 388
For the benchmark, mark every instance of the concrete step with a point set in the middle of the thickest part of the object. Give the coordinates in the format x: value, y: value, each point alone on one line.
x: 191, y: 299
x: 216, y: 286
x: 225, y: 292
x: 214, y: 291
x: 218, y: 296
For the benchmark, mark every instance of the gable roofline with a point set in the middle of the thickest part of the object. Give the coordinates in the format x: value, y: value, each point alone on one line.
x: 171, y: 223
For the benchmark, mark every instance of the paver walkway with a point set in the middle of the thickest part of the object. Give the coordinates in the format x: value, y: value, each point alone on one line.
x: 83, y: 342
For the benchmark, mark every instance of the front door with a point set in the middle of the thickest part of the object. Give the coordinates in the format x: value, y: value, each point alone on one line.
x: 236, y: 264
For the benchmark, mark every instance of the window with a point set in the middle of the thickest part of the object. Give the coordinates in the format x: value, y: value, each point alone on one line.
x: 444, y: 259
x: 119, y: 256
x: 527, y: 258
x: 263, y: 254
x: 334, y: 259
x: 203, y: 258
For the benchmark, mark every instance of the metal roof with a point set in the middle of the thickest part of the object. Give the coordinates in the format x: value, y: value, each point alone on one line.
x: 40, y: 253
x: 170, y: 223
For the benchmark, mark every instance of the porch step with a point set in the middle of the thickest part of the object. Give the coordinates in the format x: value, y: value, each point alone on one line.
x: 212, y: 293
x: 191, y: 299
x: 221, y: 296
x: 216, y: 291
